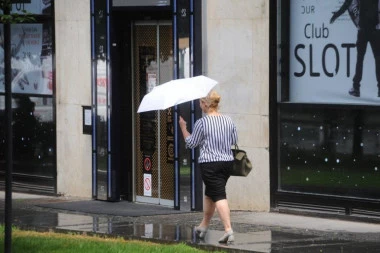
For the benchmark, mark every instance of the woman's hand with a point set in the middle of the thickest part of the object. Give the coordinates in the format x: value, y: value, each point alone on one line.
x: 182, y: 123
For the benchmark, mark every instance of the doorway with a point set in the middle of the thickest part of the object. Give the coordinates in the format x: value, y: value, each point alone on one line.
x: 142, y: 59
x: 145, y: 159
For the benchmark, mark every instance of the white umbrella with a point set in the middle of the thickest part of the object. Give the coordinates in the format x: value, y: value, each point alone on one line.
x: 176, y: 92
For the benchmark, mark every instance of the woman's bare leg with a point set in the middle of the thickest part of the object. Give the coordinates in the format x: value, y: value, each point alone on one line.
x: 208, y: 211
x: 224, y: 213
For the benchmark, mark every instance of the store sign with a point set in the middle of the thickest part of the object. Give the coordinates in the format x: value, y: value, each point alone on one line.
x: 324, y: 56
x: 32, y: 6
x: 125, y: 3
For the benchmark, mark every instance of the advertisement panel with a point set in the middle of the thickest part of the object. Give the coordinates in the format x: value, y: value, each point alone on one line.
x: 334, y: 51
x: 31, y: 52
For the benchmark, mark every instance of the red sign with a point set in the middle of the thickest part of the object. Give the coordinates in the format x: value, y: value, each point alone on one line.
x: 147, y: 184
x: 147, y: 164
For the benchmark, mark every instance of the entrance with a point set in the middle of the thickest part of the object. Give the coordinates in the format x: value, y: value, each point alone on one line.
x: 140, y: 157
x: 152, y: 61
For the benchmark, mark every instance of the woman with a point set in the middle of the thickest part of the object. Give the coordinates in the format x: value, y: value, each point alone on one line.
x: 214, y: 134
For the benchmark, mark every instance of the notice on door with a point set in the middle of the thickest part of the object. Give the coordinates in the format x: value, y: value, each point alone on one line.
x: 148, y: 185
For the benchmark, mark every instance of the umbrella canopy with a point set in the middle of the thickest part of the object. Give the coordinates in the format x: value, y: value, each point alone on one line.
x: 176, y: 92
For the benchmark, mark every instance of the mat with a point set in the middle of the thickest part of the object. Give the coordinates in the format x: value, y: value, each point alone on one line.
x: 122, y: 208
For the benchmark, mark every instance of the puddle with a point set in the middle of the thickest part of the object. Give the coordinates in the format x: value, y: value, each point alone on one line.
x: 247, y: 236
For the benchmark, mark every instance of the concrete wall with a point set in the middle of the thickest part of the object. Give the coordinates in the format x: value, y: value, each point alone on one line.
x: 236, y: 53
x: 73, y: 89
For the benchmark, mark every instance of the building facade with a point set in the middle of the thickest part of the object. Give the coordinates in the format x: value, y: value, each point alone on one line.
x: 312, y: 146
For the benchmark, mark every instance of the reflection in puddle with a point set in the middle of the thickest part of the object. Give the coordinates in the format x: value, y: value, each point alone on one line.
x: 247, y: 237
x: 259, y: 241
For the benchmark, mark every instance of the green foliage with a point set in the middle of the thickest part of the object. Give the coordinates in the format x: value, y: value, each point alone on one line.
x: 13, y: 18
x: 35, y: 242
x: 17, y: 18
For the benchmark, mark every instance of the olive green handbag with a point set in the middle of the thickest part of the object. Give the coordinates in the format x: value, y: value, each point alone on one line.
x: 242, y: 165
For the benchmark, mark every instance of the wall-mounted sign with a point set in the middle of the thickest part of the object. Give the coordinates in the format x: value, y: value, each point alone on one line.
x: 87, y: 120
x: 147, y: 164
x: 125, y: 3
x: 148, y: 185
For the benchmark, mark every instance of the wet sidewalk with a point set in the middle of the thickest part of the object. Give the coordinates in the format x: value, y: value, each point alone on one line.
x: 254, y: 232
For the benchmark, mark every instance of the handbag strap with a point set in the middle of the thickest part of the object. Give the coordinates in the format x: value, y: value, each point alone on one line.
x: 240, y: 155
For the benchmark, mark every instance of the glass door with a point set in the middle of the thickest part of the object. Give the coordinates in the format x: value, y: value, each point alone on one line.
x: 154, y: 142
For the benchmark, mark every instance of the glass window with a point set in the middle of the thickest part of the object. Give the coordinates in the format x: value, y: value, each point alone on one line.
x: 33, y: 122
x: 33, y: 137
x: 328, y: 96
x: 33, y: 129
x: 334, y: 151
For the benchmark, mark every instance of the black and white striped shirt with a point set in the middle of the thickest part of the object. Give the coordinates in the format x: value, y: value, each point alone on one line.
x: 214, y: 135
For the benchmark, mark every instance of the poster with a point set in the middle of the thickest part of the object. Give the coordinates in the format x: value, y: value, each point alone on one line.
x: 323, y: 52
x: 31, y: 53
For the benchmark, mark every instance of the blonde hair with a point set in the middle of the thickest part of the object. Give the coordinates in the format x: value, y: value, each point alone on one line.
x: 212, y: 100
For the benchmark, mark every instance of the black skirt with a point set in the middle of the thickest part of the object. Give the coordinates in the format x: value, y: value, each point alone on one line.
x: 215, y: 176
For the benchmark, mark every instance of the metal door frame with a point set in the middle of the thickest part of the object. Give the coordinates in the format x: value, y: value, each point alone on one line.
x: 100, y: 41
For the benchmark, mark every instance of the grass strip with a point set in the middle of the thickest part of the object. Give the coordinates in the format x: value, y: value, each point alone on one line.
x: 44, y: 242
